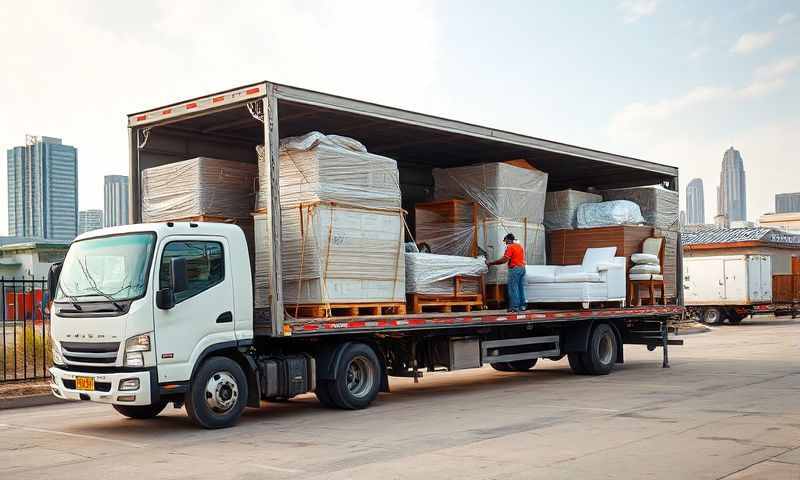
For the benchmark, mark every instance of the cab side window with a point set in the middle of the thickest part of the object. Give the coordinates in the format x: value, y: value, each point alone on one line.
x: 205, y: 266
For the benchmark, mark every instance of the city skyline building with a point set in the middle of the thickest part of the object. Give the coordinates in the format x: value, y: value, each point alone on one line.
x: 695, y: 203
x: 42, y: 178
x: 115, y: 200
x: 787, y: 202
x: 89, y: 220
x: 732, y: 191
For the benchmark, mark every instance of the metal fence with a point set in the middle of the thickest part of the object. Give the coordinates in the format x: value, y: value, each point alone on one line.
x: 25, y: 326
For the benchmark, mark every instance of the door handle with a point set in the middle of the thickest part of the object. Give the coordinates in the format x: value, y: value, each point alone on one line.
x: 226, y: 317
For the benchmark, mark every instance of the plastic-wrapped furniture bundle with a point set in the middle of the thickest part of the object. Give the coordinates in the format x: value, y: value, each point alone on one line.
x: 196, y: 187
x: 659, y: 206
x: 561, y: 208
x: 431, y: 274
x: 342, y: 226
x: 501, y: 189
x: 615, y: 212
x: 490, y: 241
x: 448, y: 226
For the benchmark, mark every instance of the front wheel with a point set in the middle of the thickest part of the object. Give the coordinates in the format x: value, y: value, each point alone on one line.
x: 218, y: 393
x: 140, y: 412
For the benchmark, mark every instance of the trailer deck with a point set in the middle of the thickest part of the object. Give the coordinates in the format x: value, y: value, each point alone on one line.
x: 429, y: 321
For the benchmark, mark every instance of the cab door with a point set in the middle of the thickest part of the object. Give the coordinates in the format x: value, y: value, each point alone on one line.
x: 202, y: 314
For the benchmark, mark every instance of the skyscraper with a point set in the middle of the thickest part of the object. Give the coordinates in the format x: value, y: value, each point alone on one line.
x: 43, y: 189
x: 732, y: 194
x: 695, y: 203
x: 115, y: 211
x: 89, y: 220
x: 787, y: 202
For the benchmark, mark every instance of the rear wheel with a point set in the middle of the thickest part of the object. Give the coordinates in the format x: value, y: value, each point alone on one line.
x: 218, y: 393
x: 576, y: 363
x: 735, y: 317
x: 602, y: 353
x: 516, y: 366
x: 141, y: 411
x: 358, y: 378
x: 712, y: 316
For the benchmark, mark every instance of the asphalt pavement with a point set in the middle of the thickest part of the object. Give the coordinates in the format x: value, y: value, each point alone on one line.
x: 729, y: 408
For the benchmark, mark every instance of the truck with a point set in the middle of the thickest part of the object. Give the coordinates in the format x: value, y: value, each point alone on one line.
x: 162, y: 313
x: 732, y: 287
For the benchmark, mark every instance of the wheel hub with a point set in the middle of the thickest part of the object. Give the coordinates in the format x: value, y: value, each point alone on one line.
x: 606, y: 349
x: 360, y: 376
x: 222, y: 392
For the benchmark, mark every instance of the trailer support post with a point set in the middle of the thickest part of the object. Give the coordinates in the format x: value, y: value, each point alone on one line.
x: 665, y: 342
x: 272, y: 171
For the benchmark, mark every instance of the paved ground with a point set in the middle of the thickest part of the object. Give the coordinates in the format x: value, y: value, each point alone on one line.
x: 728, y: 408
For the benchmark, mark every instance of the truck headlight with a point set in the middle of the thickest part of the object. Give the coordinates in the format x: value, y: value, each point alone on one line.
x: 58, y: 358
x: 134, y: 347
x: 129, y: 384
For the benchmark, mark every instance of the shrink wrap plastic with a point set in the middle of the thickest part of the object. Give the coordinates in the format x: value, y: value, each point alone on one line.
x: 615, y: 212
x: 342, y: 226
x: 431, y: 274
x: 659, y: 206
x: 501, y: 189
x: 561, y: 208
x: 200, y: 186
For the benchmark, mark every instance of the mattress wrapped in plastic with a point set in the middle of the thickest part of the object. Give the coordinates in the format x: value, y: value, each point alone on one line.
x: 660, y: 207
x: 199, y: 186
x: 490, y: 243
x: 430, y: 274
x: 502, y: 189
x: 615, y: 212
x: 342, y: 226
x: 561, y: 208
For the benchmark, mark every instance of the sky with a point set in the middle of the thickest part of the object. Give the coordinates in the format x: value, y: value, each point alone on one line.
x: 675, y: 82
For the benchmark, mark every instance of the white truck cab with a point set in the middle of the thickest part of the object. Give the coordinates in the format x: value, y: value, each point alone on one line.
x: 136, y: 308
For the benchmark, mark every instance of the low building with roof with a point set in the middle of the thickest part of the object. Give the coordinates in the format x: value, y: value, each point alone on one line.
x: 23, y: 257
x: 780, y: 246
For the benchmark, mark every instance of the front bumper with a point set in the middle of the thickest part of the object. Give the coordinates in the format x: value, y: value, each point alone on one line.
x: 103, y: 381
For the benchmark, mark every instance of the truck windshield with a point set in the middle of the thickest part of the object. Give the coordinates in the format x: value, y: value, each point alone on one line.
x: 111, y: 268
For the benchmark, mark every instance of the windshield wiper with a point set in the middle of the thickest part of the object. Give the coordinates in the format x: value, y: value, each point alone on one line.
x: 72, y: 299
x: 96, y: 289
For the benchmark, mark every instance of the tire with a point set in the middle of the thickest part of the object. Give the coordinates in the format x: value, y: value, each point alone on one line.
x: 358, y: 378
x: 516, y: 366
x: 712, y: 316
x: 141, y: 412
x: 602, y: 354
x: 218, y: 393
x: 323, y: 394
x: 735, y: 318
x: 576, y: 363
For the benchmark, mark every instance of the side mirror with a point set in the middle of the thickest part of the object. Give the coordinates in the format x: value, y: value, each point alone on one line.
x: 177, y: 275
x: 165, y: 299
x: 52, y: 279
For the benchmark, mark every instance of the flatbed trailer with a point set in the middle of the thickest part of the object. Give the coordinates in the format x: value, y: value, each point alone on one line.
x: 217, y: 362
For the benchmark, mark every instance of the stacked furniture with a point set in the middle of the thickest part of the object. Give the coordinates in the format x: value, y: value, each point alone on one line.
x: 660, y: 208
x: 599, y: 277
x: 561, y: 208
x: 342, y: 229
x: 510, y: 197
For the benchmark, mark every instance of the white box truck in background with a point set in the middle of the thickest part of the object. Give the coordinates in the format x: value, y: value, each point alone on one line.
x: 726, y: 286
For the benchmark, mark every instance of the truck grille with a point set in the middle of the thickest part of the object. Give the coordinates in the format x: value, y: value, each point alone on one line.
x: 90, y: 352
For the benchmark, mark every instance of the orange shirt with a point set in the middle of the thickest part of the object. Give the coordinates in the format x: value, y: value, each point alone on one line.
x: 515, y: 255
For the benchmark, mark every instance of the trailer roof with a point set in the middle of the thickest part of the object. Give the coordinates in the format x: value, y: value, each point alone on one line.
x: 411, y: 137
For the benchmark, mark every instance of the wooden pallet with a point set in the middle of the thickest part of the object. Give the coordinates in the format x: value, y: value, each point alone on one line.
x: 419, y: 303
x: 496, y: 295
x: 346, y: 310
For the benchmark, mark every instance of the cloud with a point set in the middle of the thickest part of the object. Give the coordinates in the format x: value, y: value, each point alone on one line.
x: 750, y: 42
x: 787, y: 18
x: 643, y: 117
x: 633, y: 10
x: 699, y: 52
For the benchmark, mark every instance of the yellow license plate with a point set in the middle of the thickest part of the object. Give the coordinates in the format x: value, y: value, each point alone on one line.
x: 84, y: 383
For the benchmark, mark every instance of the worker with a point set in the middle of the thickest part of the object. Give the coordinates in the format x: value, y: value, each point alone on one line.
x: 514, y: 256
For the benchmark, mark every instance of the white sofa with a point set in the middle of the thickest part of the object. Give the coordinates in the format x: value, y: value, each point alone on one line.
x: 599, y: 278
